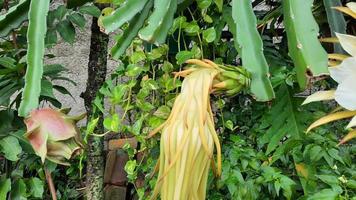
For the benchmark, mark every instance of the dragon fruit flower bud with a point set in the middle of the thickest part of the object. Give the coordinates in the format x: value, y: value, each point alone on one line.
x: 53, y: 134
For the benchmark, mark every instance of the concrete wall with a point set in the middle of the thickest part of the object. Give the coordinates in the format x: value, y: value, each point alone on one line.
x: 75, y: 58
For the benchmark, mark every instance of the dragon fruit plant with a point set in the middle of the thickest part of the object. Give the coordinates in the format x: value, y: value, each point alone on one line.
x: 54, y: 135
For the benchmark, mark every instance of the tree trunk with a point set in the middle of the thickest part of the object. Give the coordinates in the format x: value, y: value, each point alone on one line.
x: 96, y: 77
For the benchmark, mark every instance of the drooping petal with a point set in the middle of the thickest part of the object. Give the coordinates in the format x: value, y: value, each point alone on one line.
x: 320, y: 96
x: 59, y: 149
x: 351, y: 135
x: 330, y: 118
x: 345, y: 93
x: 38, y: 142
x: 348, y: 43
x: 345, y: 69
x: 352, y: 123
x: 352, y: 6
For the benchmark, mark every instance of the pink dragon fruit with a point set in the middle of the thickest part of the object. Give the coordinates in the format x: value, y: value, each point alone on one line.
x: 53, y: 134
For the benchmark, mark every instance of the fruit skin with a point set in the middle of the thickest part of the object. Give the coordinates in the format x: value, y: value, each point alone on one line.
x: 53, y: 134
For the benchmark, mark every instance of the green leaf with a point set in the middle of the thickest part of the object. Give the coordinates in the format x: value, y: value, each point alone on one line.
x: 60, y: 12
x: 309, y: 57
x: 18, y: 191
x: 159, y: 22
x: 10, y: 147
x: 51, y: 37
x: 131, y: 31
x: 209, y: 35
x: 137, y: 57
x: 219, y: 4
x: 315, y: 153
x: 250, y: 46
x: 36, y: 187
x: 14, y: 17
x: 66, y: 30
x: 192, y: 28
x: 325, y: 194
x: 35, y: 51
x: 336, y: 21
x: 133, y: 70
x: 283, y: 119
x: 112, y: 123
x: 77, y: 19
x: 182, y: 56
x: 118, y: 93
x: 47, y: 89
x: 53, y: 70
x: 90, y: 10
x: 334, y: 153
x: 8, y: 62
x: 162, y: 112
x: 204, y: 4
x: 123, y: 14
x: 5, y: 187
x: 92, y: 125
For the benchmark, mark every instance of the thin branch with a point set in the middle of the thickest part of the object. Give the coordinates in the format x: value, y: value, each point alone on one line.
x: 51, y: 187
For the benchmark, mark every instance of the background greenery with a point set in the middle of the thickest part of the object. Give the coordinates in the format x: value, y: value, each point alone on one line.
x: 266, y: 153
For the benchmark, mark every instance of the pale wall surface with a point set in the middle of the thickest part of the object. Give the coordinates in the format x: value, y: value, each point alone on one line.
x: 75, y: 58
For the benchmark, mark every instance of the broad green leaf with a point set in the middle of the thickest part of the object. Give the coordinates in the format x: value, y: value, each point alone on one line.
x: 10, y: 147
x: 309, y: 57
x: 219, y: 4
x: 51, y: 37
x: 325, y: 194
x: 112, y: 123
x: 47, y: 89
x: 204, y: 4
x: 36, y: 33
x: 77, y: 19
x: 18, y: 190
x: 5, y: 187
x: 336, y: 21
x: 123, y: 14
x: 249, y: 41
x: 159, y: 22
x: 183, y: 56
x: 36, y: 187
x: 60, y: 12
x: 328, y: 179
x: 331, y: 117
x: 8, y: 62
x: 137, y: 57
x: 192, y: 28
x: 283, y: 119
x: 209, y: 35
x: 66, y: 30
x: 90, y: 10
x: 133, y: 70
x: 14, y: 17
x: 53, y: 70
x: 131, y: 31
x: 92, y: 125
x: 162, y: 112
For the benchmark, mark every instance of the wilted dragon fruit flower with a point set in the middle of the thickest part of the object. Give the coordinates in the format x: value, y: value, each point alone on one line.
x: 53, y: 134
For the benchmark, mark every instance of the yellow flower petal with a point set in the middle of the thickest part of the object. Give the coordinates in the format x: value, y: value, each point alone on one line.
x: 320, y: 96
x: 331, y: 117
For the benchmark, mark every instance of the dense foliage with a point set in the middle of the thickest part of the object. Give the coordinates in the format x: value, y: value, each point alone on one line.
x: 266, y: 152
